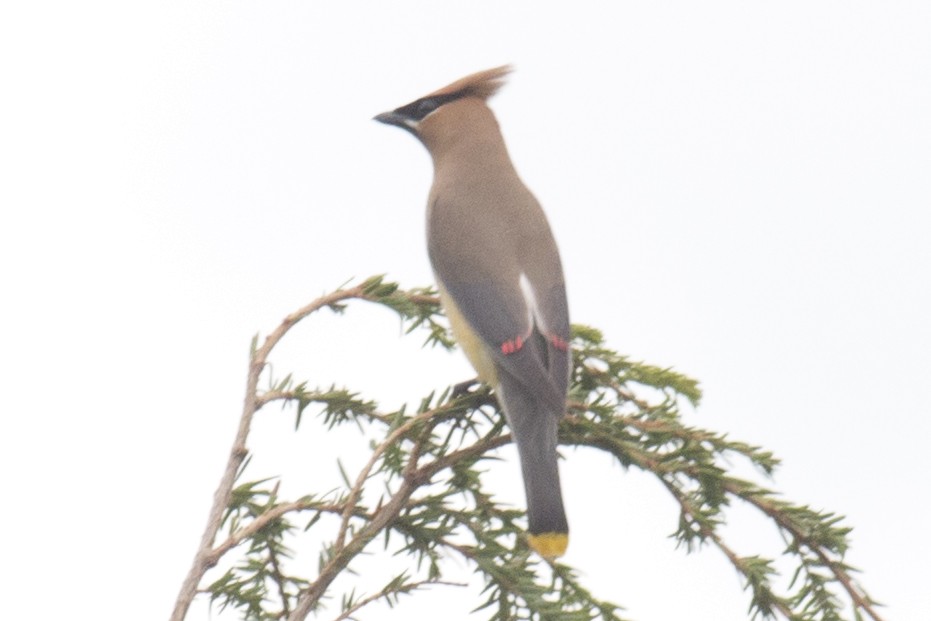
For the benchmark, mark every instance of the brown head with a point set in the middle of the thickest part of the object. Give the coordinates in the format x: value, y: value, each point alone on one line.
x: 454, y: 114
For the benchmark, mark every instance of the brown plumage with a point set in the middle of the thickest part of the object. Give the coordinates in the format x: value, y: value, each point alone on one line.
x: 481, y: 84
x: 500, y: 280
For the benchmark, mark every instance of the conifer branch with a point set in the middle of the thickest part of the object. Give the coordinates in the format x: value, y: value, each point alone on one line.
x: 433, y: 505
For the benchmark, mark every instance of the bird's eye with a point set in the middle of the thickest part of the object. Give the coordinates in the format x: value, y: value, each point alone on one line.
x: 416, y: 111
x: 425, y: 107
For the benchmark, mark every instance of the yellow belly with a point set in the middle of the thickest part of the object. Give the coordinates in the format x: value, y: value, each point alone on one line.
x: 547, y: 545
x: 471, y: 343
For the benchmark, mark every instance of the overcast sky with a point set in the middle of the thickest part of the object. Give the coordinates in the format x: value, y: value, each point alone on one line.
x: 740, y: 190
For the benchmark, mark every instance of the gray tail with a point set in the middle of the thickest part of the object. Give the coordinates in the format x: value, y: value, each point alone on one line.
x: 534, y: 425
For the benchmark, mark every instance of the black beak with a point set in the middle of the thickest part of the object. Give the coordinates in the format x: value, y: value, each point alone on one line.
x: 398, y: 120
x: 393, y: 118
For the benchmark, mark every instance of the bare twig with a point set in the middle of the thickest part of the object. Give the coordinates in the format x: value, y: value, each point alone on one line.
x: 204, y: 559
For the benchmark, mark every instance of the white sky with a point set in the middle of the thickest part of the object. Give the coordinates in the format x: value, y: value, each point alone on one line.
x: 740, y: 190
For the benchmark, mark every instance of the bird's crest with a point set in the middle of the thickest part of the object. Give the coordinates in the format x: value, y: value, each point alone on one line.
x: 482, y: 84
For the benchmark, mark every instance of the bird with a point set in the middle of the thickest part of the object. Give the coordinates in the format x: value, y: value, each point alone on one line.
x: 500, y: 281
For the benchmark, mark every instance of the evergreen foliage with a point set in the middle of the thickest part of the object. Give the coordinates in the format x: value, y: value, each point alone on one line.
x: 421, y: 494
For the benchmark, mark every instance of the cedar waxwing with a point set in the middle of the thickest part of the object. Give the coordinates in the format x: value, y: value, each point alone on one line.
x: 500, y: 281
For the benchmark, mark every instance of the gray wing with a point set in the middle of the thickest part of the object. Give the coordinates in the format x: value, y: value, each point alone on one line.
x: 506, y: 278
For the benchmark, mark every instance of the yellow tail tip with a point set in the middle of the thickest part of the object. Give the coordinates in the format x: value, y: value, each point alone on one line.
x: 549, y: 545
